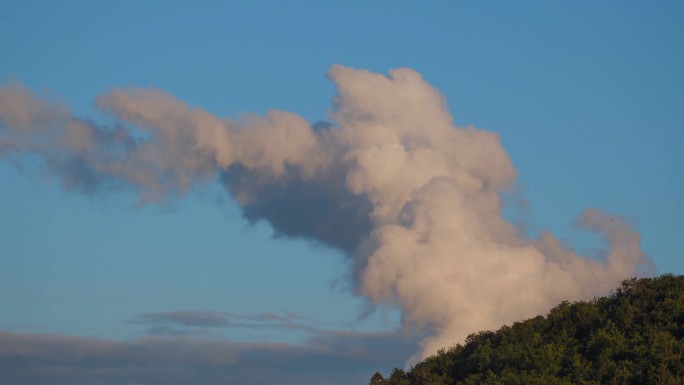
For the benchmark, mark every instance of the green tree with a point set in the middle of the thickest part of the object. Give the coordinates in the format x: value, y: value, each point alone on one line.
x: 633, y: 336
x: 377, y: 379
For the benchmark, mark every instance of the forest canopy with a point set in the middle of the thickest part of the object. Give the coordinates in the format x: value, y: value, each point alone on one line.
x: 633, y: 336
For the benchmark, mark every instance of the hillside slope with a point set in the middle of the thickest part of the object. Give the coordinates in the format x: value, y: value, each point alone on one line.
x: 633, y: 336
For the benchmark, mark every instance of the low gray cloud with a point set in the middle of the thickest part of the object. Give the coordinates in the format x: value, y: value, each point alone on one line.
x: 327, y: 358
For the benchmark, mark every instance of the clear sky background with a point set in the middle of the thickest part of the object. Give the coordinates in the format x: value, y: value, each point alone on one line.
x: 588, y: 98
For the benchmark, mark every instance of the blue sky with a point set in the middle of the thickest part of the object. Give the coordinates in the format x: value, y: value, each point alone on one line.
x: 586, y: 96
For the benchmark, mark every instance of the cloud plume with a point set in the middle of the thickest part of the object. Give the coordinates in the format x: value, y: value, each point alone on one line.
x: 414, y: 200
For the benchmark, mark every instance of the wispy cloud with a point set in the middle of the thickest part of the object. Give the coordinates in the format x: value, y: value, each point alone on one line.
x: 326, y: 358
x: 188, y: 322
x: 186, y: 318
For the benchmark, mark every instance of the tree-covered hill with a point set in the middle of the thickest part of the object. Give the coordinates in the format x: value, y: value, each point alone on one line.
x: 634, y: 336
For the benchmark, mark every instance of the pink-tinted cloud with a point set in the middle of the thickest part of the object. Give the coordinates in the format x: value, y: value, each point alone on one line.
x: 412, y: 198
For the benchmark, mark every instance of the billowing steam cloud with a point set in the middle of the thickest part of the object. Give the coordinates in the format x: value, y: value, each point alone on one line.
x: 413, y: 200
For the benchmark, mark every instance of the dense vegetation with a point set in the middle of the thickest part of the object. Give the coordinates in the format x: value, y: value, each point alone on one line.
x: 633, y: 336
